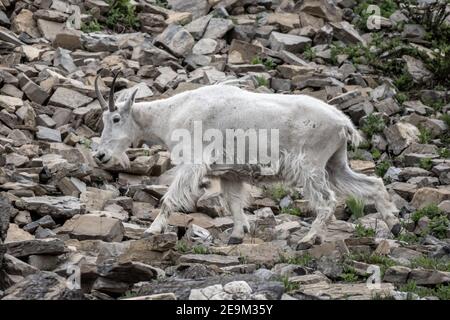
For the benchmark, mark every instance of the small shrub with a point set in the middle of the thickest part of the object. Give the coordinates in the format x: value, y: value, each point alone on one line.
x: 349, y: 277
x: 362, y: 232
x: 92, y: 26
x: 256, y: 60
x: 446, y: 119
x: 376, y: 154
x: 309, y: 53
x: 441, y: 291
x: 261, y: 81
x: 356, y: 207
x: 303, y: 260
x: 381, y: 168
x: 198, y: 249
x: 122, y: 16
x: 292, y: 211
x: 289, y: 285
x: 277, y: 192
x: 440, y: 264
x: 429, y: 211
x: 401, y: 97
x: 182, y: 246
x: 444, y: 153
x: 373, y: 124
x: 404, y: 82
x: 424, y: 135
x: 426, y: 163
x: 439, y: 226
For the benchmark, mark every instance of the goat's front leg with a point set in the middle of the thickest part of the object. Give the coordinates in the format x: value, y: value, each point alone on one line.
x: 181, y: 195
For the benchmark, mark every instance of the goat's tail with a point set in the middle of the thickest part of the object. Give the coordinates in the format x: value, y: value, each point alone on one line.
x: 351, y: 134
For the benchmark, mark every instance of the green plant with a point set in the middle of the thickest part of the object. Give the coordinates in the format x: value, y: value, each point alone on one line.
x: 304, y: 260
x: 182, y: 246
x: 373, y: 124
x: 129, y: 294
x: 429, y: 211
x: 424, y: 135
x: 122, y: 16
x: 86, y: 142
x: 376, y: 154
x: 269, y: 63
x: 444, y: 153
x: 408, y: 237
x: 349, y: 277
x: 381, y: 168
x: 198, y: 249
x: 362, y: 232
x: 277, y: 192
x: 261, y: 81
x: 446, y: 119
x: 404, y: 82
x: 256, y: 60
x: 441, y: 264
x: 292, y: 210
x: 289, y: 285
x: 382, y: 261
x: 92, y: 26
x: 441, y: 291
x: 401, y: 97
x: 162, y: 3
x: 387, y: 7
x: 439, y: 226
x: 309, y: 53
x: 426, y: 163
x: 356, y: 207
x: 358, y: 154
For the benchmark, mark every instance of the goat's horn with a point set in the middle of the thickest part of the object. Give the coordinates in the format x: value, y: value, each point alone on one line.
x: 111, y: 93
x: 99, y: 95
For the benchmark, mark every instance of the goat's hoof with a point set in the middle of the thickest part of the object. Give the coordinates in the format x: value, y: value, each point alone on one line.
x: 235, y: 240
x: 396, y: 229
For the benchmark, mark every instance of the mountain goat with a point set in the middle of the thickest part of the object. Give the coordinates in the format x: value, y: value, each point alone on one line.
x: 313, y: 139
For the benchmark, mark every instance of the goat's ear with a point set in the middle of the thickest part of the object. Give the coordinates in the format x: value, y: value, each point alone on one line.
x: 129, y: 102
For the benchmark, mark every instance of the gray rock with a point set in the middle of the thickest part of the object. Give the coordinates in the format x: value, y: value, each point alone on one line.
x: 42, y: 286
x: 210, y: 259
x: 63, y: 60
x: 48, y: 134
x: 400, y: 136
x: 64, y: 97
x: 198, y: 8
x: 33, y: 91
x: 90, y: 226
x: 26, y: 248
x: 57, y: 207
x: 176, y: 39
x: 217, y: 28
x: 288, y: 42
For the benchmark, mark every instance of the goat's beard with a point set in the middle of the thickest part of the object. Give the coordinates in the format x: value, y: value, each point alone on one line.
x: 124, y: 161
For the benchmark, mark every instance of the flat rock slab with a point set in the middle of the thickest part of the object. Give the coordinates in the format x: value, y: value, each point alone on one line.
x: 42, y: 286
x: 57, y: 207
x: 37, y: 246
x: 89, y: 227
x: 210, y: 259
x: 68, y: 98
x: 344, y: 291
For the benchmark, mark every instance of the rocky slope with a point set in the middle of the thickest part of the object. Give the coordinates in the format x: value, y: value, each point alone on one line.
x: 72, y: 230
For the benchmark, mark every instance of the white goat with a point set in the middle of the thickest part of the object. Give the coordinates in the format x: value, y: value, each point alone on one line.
x: 313, y: 140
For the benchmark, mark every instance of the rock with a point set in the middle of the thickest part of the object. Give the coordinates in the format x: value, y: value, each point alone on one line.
x: 288, y: 42
x: 210, y: 259
x: 217, y: 28
x: 286, y: 21
x: 396, y: 274
x: 176, y: 39
x: 236, y: 290
x: 323, y: 9
x: 69, y: 98
x: 429, y: 277
x: 57, y: 207
x: 346, y: 33
x: 15, y: 233
x: 24, y: 22
x: 427, y: 196
x: 400, y: 136
x: 198, y: 26
x: 205, y: 46
x: 26, y: 248
x: 129, y: 272
x: 48, y: 134
x: 356, y: 291
x: 44, y: 222
x: 88, y: 226
x: 33, y: 91
x: 69, y: 39
x: 63, y: 60
x: 416, y: 69
x: 198, y: 8
x: 42, y: 286
x: 49, y: 29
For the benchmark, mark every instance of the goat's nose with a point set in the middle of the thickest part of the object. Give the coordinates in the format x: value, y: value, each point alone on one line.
x: 100, y: 155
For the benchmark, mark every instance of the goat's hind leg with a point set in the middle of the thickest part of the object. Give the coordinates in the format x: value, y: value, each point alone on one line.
x: 346, y: 182
x: 181, y: 195
x: 322, y: 200
x: 236, y: 196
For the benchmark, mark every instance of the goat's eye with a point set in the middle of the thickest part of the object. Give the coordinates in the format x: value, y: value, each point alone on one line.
x: 116, y: 119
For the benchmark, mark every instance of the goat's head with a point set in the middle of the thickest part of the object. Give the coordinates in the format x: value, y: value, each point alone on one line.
x: 119, y: 127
